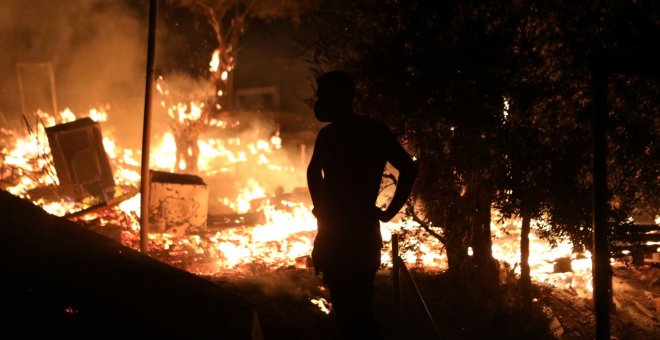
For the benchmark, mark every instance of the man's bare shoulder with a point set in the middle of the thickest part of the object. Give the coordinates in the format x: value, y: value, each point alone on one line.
x: 375, y: 126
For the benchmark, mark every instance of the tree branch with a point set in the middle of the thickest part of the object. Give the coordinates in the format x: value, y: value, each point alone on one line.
x: 426, y: 226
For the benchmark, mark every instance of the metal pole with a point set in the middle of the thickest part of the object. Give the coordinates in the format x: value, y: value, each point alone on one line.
x: 397, y: 285
x: 525, y: 278
x: 146, y: 128
x: 21, y: 90
x: 53, y: 91
x: 601, y: 262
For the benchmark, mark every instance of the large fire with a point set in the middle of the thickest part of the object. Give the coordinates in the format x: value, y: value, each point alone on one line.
x: 282, y: 238
x: 282, y: 234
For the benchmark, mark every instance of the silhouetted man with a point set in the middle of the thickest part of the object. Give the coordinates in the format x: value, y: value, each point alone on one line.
x: 344, y: 179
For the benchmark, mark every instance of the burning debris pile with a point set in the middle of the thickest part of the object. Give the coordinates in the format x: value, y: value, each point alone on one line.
x: 281, y: 221
x: 246, y: 210
x: 253, y: 222
x: 227, y: 196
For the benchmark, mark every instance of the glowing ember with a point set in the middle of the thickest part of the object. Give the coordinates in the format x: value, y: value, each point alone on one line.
x: 67, y: 116
x: 542, y: 257
x: 186, y: 111
x: 323, y: 305
x: 215, y: 61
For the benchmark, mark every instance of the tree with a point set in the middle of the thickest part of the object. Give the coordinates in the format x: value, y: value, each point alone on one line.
x: 442, y: 74
x: 227, y: 19
x: 551, y: 91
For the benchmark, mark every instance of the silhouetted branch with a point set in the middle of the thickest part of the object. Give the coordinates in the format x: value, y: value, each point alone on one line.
x: 426, y: 226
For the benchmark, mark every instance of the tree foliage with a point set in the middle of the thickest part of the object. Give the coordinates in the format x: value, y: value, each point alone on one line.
x: 493, y: 98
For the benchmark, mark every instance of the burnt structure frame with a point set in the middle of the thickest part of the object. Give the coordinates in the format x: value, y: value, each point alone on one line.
x: 51, y: 80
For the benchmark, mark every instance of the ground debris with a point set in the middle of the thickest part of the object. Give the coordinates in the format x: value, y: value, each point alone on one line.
x: 633, y: 316
x: 555, y: 326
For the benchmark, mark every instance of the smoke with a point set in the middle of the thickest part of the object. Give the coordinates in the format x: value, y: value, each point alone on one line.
x: 289, y: 284
x: 97, y: 50
x: 283, y: 171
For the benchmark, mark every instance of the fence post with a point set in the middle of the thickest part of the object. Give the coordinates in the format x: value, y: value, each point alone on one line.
x: 602, y: 279
x: 397, y: 285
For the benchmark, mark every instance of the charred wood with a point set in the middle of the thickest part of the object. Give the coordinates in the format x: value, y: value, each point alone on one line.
x: 103, y: 205
x: 223, y: 221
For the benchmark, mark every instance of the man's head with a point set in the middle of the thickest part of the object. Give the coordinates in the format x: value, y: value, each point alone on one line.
x: 334, y: 96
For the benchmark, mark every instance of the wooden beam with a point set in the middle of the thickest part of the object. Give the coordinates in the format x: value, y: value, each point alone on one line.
x: 146, y: 127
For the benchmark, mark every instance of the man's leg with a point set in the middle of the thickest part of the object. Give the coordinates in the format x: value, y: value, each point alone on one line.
x: 352, y: 295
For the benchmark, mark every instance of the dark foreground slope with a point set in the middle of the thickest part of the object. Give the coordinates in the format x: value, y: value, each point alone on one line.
x: 60, y: 279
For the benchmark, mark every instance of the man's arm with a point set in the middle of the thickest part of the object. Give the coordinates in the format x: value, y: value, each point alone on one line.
x: 399, y: 158
x: 315, y: 175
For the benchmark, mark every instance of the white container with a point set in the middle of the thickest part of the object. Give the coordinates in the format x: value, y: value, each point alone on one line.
x: 178, y: 204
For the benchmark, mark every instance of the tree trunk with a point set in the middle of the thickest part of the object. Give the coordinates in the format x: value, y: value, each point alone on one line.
x: 469, y: 225
x: 525, y: 279
x: 456, y: 244
x: 456, y: 250
x: 486, y: 269
x: 481, y: 238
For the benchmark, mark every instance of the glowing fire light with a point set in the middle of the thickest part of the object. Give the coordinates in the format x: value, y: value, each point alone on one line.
x: 186, y: 111
x: 67, y: 116
x: 323, y: 305
x: 283, y: 237
x: 215, y: 61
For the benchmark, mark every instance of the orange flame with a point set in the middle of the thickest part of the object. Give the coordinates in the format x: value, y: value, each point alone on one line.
x: 284, y: 238
x: 214, y: 65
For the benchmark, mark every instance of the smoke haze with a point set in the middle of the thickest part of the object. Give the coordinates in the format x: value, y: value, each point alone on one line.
x: 97, y: 50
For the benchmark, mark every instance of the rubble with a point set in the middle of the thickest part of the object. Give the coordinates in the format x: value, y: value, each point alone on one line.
x: 80, y: 158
